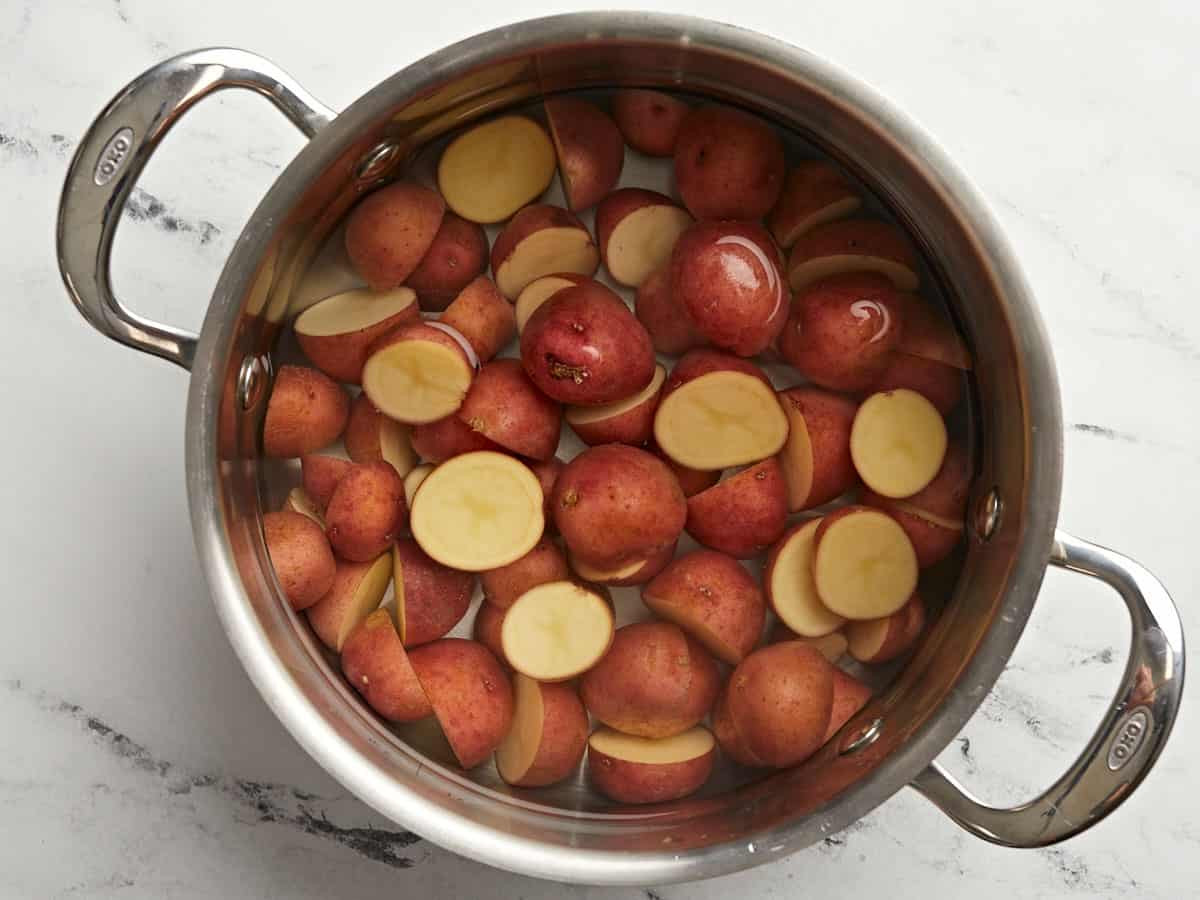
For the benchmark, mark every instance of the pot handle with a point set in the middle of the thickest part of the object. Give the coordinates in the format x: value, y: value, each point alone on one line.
x: 1132, y: 734
x: 112, y: 155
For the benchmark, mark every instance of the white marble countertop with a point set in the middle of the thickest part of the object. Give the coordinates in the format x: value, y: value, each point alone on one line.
x: 137, y: 761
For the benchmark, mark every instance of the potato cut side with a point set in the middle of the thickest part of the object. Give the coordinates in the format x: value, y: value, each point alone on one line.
x: 642, y: 242
x: 353, y: 311
x: 517, y: 751
x: 413, y: 480
x: 898, y: 442
x: 797, y: 459
x: 395, y: 445
x: 538, y: 292
x: 678, y: 748
x: 544, y: 252
x: 417, y: 381
x: 809, y: 271
x: 357, y: 591
x: 719, y: 420
x: 586, y: 415
x: 865, y: 639
x: 790, y: 586
x: 491, y: 171
x: 832, y: 646
x: 589, y: 572
x: 478, y: 511
x: 299, y: 501
x: 864, y: 566
x: 830, y: 212
x: 932, y: 518
x: 556, y: 631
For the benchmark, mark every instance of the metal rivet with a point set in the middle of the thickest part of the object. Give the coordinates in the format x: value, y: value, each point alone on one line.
x: 988, y: 514
x: 866, y: 736
x: 377, y: 161
x: 251, y: 381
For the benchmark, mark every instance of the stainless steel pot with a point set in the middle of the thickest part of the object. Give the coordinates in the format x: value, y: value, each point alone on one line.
x: 564, y: 834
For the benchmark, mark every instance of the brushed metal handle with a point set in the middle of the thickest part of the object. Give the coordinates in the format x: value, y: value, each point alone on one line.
x: 1130, y: 737
x: 113, y: 154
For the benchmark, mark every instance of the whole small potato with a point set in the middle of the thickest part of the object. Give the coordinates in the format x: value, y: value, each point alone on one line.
x: 615, y: 503
x: 649, y: 120
x: 390, y: 231
x: 727, y: 277
x: 458, y: 253
x: 367, y: 511
x: 308, y: 410
x: 301, y: 557
x: 728, y: 164
x: 541, y: 565
x: 589, y: 148
x: 584, y: 347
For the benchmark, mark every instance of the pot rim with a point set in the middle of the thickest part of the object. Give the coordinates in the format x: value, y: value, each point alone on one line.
x: 458, y: 833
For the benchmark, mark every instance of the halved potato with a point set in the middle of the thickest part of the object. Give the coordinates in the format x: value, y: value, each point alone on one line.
x: 789, y: 584
x: 492, y: 170
x: 358, y: 589
x: 631, y: 769
x: 336, y: 334
x: 420, y: 373
x: 864, y: 565
x: 548, y: 735
x: 556, y: 631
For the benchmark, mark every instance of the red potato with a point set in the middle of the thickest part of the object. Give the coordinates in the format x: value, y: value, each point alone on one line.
x: 375, y: 663
x: 849, y: 696
x: 630, y: 769
x: 420, y: 373
x: 481, y: 315
x: 541, y: 240
x: 864, y: 565
x: 897, y: 442
x: 832, y: 646
x: 705, y: 361
x: 366, y: 512
x: 946, y: 495
x: 614, y: 504
x: 816, y: 458
x: 713, y: 598
x: 665, y: 321
x: 298, y: 501
x: 636, y: 230
x: 371, y: 436
x: 628, y: 421
x: 933, y: 537
x: 789, y: 584
x: 548, y: 735
x: 430, y: 598
x: 470, y: 693
x: 875, y: 641
x: 584, y: 347
x: 814, y: 193
x: 654, y: 682
x: 358, y: 589
x: 307, y: 411
x: 727, y: 277
x: 728, y: 164
x: 301, y: 557
x: 489, y: 622
x: 543, y: 564
x: 538, y: 292
x: 320, y: 475
x: 930, y: 336
x: 780, y: 700
x: 337, y: 333
x: 733, y: 744
x: 446, y: 438
x: 638, y: 571
x: 742, y: 515
x: 590, y: 149
x: 547, y: 471
x: 842, y: 331
x: 413, y: 480
x: 505, y: 407
x: 938, y: 383
x: 557, y: 630
x: 390, y: 230
x: 692, y: 481
x: 458, y: 253
x: 493, y: 169
x: 649, y: 120
x: 853, y: 245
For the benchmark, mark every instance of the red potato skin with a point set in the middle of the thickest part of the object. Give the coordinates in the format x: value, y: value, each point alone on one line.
x: 390, y: 230
x: 326, y: 617
x: 619, y: 204
x: 307, y: 410
x: 670, y: 330
x: 903, y: 628
x: 706, y: 360
x: 649, y: 568
x: 854, y: 237
x: 938, y: 383
x: 727, y: 277
x: 635, y: 426
x: 530, y: 219
x: 564, y: 736
x: 366, y: 512
x: 591, y: 151
x: 436, y: 597
x: 547, y: 472
x: 626, y: 781
x: 728, y: 164
x: 692, y: 481
x: 420, y: 331
x: 743, y: 515
x: 447, y: 438
x: 932, y: 541
x: 458, y: 253
x: 584, y: 347
x: 649, y: 120
x: 616, y: 503
x: 543, y: 564
x: 828, y: 418
x: 343, y: 356
x: 320, y: 474
x: 849, y: 696
x: 727, y: 734
x: 481, y: 315
x: 489, y: 620
x: 361, y: 438
x: 842, y: 331
x: 810, y: 187
x: 301, y: 557
x: 470, y: 693
x: 722, y: 601
x: 375, y: 663
x: 506, y: 407
x: 946, y: 495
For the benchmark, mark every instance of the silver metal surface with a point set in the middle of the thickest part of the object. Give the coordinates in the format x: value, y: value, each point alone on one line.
x: 113, y: 154
x: 563, y: 832
x: 1132, y: 734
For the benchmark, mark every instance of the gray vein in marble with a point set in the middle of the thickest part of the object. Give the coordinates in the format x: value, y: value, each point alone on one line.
x: 653, y: 895
x: 1126, y: 437
x: 143, y: 206
x: 1004, y: 702
x: 1077, y: 877
x: 18, y: 146
x: 265, y: 802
